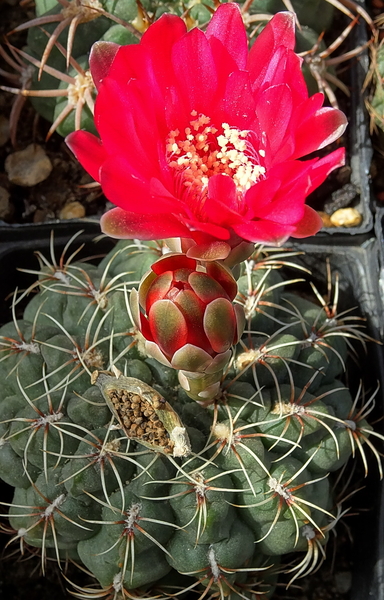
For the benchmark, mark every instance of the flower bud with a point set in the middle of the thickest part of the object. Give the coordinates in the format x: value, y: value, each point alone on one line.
x: 186, y: 314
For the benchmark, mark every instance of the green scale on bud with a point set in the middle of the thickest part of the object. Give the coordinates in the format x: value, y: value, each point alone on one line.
x: 201, y: 471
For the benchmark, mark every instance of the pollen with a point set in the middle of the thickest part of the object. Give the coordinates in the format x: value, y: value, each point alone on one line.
x: 204, y: 150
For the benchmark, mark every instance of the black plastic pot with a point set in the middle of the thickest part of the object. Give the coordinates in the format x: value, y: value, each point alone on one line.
x: 359, y: 147
x: 358, y: 266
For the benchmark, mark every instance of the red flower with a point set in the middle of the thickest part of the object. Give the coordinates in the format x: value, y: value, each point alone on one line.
x: 200, y: 139
x: 183, y: 309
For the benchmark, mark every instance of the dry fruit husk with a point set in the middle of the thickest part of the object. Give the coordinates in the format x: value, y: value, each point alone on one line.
x: 143, y: 414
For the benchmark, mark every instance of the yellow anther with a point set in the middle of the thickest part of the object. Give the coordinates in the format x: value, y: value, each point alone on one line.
x: 205, y: 154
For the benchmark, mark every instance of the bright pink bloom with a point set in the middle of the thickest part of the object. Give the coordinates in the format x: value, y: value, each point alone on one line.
x: 200, y: 138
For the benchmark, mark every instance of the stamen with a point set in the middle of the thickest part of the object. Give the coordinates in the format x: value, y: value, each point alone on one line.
x: 202, y: 153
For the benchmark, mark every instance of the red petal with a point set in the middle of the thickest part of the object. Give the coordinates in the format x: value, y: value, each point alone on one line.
x: 198, y: 229
x: 261, y: 195
x: 293, y: 76
x: 238, y: 104
x: 274, y: 110
x: 100, y: 60
x: 173, y: 261
x: 126, y: 188
x: 168, y: 327
x: 195, y: 71
x: 265, y: 232
x: 121, y: 224
x: 222, y: 199
x: 280, y: 31
x: 281, y: 179
x: 310, y: 224
x: 227, y: 26
x: 287, y: 209
x: 127, y: 125
x: 325, y: 126
x: 88, y: 150
x: 158, y: 289
x: 324, y: 166
x: 159, y: 40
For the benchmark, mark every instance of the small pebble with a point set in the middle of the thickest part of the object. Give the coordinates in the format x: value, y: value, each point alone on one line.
x: 40, y: 215
x: 72, y: 210
x: 346, y: 217
x: 29, y: 166
x: 4, y: 130
x: 325, y: 218
x: 5, y: 205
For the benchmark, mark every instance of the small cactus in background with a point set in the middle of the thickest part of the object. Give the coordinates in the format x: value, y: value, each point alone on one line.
x: 62, y: 34
x: 154, y: 489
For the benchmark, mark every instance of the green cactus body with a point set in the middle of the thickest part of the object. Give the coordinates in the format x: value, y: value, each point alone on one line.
x: 148, y: 488
x: 316, y: 14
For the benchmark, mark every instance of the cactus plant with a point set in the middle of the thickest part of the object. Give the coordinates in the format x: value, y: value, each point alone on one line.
x: 156, y: 491
x: 166, y: 427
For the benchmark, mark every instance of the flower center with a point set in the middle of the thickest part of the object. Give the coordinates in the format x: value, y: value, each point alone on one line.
x: 203, y: 151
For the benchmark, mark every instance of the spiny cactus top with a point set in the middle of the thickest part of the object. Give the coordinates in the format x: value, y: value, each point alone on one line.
x: 116, y: 467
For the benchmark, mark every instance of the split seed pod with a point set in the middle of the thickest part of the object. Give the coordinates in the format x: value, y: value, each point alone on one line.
x: 143, y: 414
